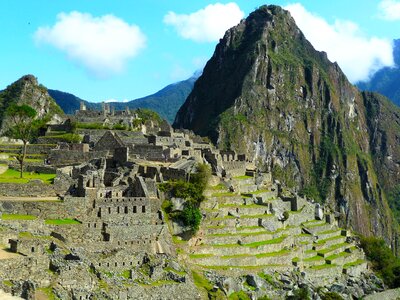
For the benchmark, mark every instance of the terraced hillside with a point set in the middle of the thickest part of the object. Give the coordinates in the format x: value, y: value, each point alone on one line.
x: 259, y: 228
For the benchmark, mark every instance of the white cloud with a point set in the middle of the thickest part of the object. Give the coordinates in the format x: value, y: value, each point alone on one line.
x: 357, y: 55
x: 208, y: 24
x: 115, y: 100
x: 389, y: 10
x: 103, y: 44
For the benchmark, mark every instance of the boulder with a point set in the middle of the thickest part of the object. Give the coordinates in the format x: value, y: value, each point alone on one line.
x: 178, y: 204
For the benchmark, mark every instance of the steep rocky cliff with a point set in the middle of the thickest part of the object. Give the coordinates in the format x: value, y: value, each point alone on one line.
x: 268, y: 93
x: 27, y: 90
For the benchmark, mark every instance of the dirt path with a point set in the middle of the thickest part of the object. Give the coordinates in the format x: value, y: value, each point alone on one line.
x: 5, y: 255
x: 3, y: 168
x: 5, y: 296
x: 33, y: 199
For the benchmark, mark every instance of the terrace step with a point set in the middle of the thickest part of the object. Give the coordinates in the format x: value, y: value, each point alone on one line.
x: 335, y: 249
x: 266, y: 258
x: 325, y: 243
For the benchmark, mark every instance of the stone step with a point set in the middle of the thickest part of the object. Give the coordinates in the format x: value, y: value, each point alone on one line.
x: 243, y: 181
x: 234, y: 209
x: 236, y: 200
x: 315, y: 229
x: 343, y: 258
x: 247, y: 188
x: 244, y: 237
x: 236, y: 229
x: 315, y: 260
x: 335, y: 249
x: 313, y: 222
x: 326, y: 243
x: 241, y: 260
x: 331, y: 233
x: 252, y: 248
x: 355, y: 268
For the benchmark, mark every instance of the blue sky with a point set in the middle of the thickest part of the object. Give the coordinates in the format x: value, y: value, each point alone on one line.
x: 101, y: 50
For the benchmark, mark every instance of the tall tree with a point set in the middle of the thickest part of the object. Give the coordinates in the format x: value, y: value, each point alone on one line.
x: 23, y: 127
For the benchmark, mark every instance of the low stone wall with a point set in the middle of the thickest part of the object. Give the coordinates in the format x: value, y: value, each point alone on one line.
x: 30, y: 189
x: 63, y: 158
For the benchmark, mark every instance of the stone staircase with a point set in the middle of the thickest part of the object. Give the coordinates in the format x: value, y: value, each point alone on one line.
x: 244, y: 230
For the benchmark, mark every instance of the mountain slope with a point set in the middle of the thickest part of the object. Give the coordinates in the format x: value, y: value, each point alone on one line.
x: 268, y: 93
x: 385, y: 81
x: 70, y: 103
x: 27, y: 90
x: 166, y: 102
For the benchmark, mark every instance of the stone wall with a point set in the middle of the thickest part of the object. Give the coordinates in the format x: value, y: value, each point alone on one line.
x: 30, y: 189
x: 63, y: 158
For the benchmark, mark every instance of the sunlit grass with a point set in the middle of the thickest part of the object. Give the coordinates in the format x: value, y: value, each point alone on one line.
x: 13, y: 176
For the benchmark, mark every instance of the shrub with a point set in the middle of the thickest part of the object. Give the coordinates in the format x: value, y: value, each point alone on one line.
x: 191, y: 216
x: 192, y: 192
x: 384, y: 263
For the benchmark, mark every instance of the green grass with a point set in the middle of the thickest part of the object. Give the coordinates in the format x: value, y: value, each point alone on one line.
x: 267, y: 242
x: 215, y: 226
x: 218, y: 187
x: 258, y: 267
x: 248, y: 228
x: 239, y: 296
x: 313, y: 258
x: 243, y: 177
x: 235, y: 256
x: 332, y: 248
x: 329, y: 231
x: 126, y: 274
x: 321, y: 267
x: 260, y: 216
x: 17, y: 217
x: 225, y: 194
x: 194, y: 256
x: 320, y: 242
x: 335, y: 256
x: 48, y: 291
x: 62, y: 222
x: 12, y: 176
x: 353, y: 264
x: 7, y: 283
x: 243, y: 205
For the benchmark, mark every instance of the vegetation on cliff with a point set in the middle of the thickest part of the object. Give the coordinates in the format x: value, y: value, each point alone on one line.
x: 384, y: 263
x: 192, y: 192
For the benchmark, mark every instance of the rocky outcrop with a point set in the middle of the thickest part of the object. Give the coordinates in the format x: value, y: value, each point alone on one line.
x: 268, y: 93
x: 28, y: 91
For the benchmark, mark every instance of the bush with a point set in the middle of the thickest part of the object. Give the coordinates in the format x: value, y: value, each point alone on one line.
x: 384, y: 263
x: 192, y: 192
x: 300, y: 294
x: 331, y: 296
x: 191, y: 216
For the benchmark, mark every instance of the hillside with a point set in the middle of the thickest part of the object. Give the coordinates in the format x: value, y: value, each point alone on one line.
x: 166, y: 102
x: 268, y: 93
x: 27, y: 90
x: 385, y: 81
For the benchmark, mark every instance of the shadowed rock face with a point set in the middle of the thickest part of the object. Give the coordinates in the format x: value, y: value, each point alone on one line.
x: 268, y: 93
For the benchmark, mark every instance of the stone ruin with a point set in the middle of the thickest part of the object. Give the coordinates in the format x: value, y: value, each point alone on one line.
x: 117, y: 241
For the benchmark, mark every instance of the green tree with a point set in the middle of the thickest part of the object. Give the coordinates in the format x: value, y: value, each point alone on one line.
x: 23, y: 127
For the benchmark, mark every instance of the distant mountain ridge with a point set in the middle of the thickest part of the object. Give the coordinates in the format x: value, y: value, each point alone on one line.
x: 166, y: 101
x: 386, y: 80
